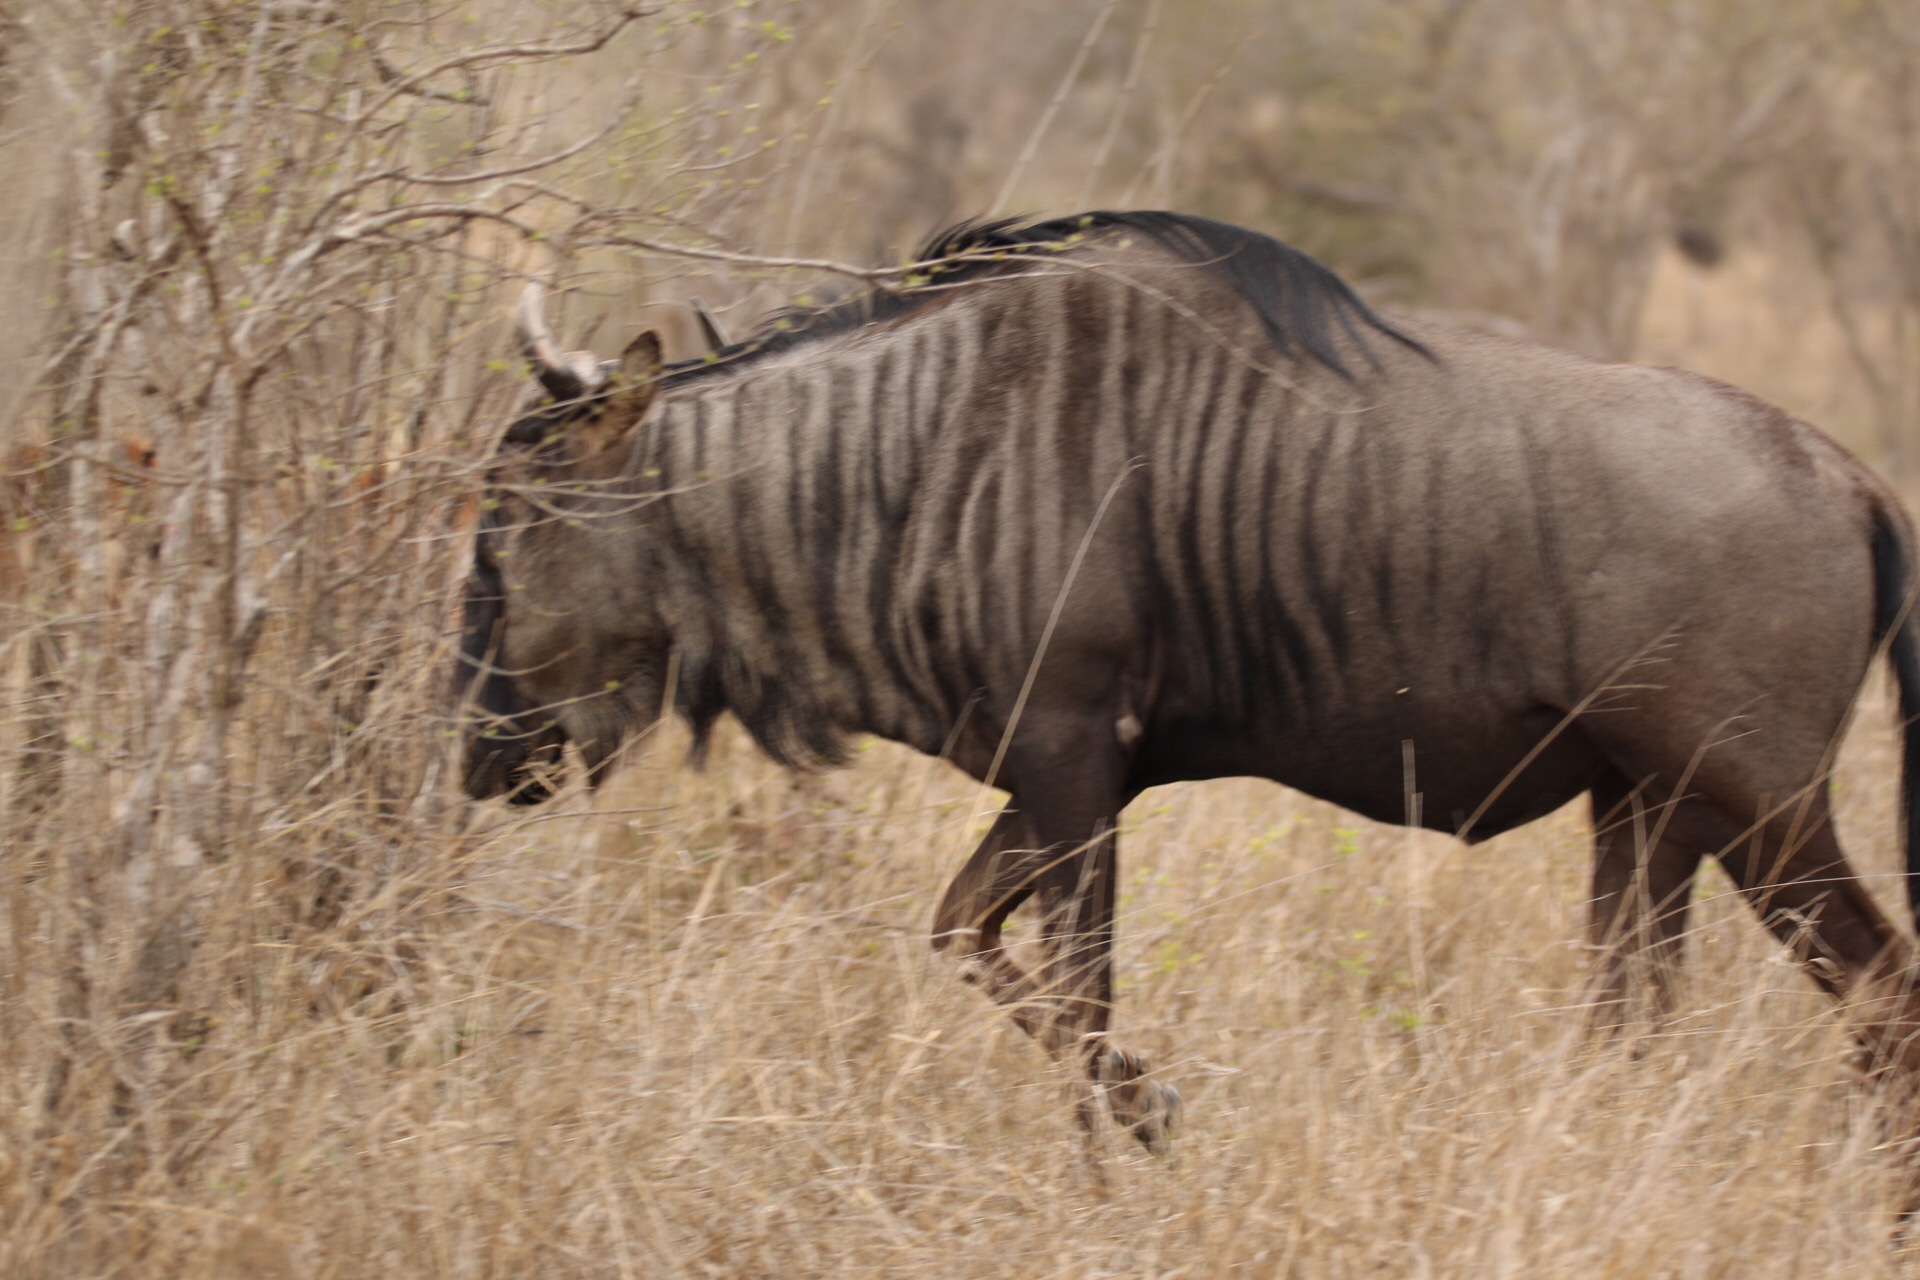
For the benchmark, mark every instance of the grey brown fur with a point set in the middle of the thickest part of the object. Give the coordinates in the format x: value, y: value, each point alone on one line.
x: 1262, y: 531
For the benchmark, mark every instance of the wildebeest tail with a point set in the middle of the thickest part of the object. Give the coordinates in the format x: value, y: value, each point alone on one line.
x: 1894, y: 622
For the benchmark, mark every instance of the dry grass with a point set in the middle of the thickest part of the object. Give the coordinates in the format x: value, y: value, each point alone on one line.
x: 693, y: 1028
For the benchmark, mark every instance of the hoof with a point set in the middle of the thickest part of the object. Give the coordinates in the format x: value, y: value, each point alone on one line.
x: 1144, y: 1107
x: 1159, y: 1116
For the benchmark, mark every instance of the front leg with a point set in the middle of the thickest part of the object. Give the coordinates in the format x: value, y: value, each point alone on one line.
x: 1002, y: 873
x: 1076, y: 894
x: 1069, y: 859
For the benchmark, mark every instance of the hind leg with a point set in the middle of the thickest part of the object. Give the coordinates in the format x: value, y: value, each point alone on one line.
x: 1790, y: 868
x: 1645, y: 857
x: 1778, y: 844
x: 1751, y: 785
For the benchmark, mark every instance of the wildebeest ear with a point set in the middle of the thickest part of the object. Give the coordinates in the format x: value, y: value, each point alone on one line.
x: 634, y: 382
x: 636, y: 379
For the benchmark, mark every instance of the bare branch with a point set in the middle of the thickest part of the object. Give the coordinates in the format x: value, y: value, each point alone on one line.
x: 402, y: 82
x: 514, y: 53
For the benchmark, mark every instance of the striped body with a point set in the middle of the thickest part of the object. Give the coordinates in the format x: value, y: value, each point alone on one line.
x: 1284, y: 580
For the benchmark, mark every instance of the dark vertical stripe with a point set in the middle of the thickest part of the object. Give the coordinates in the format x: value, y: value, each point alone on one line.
x: 1322, y: 599
x: 1248, y: 661
x: 827, y: 520
x: 1200, y: 377
x: 908, y: 713
x: 1295, y: 672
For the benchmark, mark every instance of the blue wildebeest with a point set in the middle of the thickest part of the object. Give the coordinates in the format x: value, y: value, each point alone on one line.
x: 1104, y: 502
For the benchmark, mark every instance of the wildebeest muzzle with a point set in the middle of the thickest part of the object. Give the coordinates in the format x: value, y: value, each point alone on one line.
x: 509, y: 747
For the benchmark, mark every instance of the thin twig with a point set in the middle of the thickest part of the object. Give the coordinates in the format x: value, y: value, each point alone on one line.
x: 1053, y: 108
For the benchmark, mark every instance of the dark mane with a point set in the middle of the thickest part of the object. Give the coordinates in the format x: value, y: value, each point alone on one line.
x: 1303, y: 306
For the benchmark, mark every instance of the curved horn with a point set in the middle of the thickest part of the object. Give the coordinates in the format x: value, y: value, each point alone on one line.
x: 710, y: 327
x: 559, y: 373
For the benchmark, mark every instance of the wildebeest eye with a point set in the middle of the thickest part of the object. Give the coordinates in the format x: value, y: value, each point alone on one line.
x: 535, y: 431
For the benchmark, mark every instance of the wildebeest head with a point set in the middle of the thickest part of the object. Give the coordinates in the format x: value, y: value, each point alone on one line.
x: 557, y: 643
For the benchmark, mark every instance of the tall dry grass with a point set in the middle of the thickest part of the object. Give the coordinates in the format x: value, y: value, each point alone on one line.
x: 274, y: 1002
x: 693, y: 1028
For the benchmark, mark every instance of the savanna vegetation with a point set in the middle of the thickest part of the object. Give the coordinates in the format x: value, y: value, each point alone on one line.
x: 275, y: 1001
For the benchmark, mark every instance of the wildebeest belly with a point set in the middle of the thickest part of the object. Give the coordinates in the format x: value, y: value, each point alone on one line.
x: 1476, y: 774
